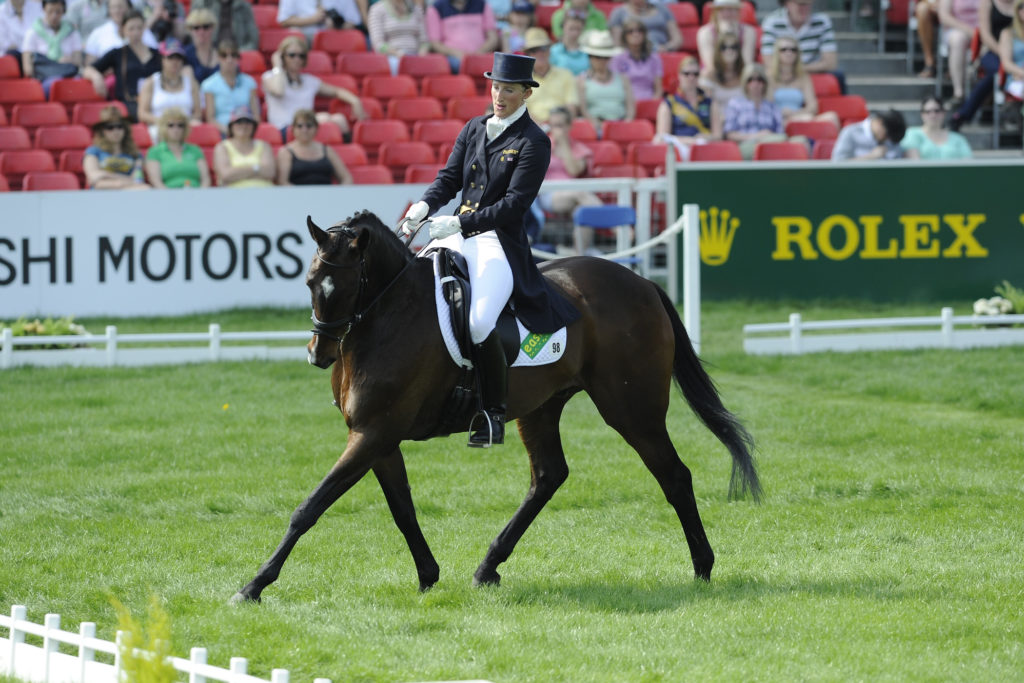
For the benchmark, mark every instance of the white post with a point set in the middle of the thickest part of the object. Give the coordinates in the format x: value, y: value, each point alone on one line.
x: 691, y: 273
x: 17, y: 636
x: 86, y: 629
x: 795, y: 332
x: 197, y: 655
x: 6, y: 348
x: 52, y: 623
x: 279, y: 676
x: 321, y: 680
x: 119, y: 640
x: 111, y: 346
x: 214, y: 342
x: 671, y: 214
x: 239, y: 666
x: 947, y: 327
x: 642, y: 229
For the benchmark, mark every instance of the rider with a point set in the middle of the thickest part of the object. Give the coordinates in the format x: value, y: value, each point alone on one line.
x: 498, y: 163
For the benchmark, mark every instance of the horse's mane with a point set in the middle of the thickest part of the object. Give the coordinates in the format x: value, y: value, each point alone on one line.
x: 382, y: 234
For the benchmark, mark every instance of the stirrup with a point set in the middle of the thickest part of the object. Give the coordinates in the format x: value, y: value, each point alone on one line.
x: 490, y: 433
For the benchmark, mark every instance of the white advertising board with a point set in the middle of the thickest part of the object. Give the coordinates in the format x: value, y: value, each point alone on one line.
x: 166, y: 252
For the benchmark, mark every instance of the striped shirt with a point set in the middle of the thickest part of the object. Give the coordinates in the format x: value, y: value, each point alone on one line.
x: 390, y: 31
x: 815, y: 37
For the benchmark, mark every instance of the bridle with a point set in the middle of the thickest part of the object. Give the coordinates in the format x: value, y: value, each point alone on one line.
x: 328, y: 329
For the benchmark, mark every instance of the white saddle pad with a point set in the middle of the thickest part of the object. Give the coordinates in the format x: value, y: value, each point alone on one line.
x: 534, y: 349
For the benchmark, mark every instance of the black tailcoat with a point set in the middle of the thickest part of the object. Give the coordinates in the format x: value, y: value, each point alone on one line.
x: 499, y: 180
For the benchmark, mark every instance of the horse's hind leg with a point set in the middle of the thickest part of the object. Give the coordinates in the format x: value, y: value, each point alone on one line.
x: 394, y: 481
x: 642, y: 425
x: 539, y: 431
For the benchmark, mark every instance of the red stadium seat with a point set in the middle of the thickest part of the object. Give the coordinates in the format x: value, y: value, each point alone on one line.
x: 3, y: 118
x: 542, y: 15
x: 448, y: 86
x: 823, y: 150
x: 69, y: 91
x: 88, y: 113
x: 850, y: 108
x: 421, y: 173
x: 386, y: 88
x: 412, y: 109
x: 15, y: 163
x: 351, y: 154
x: 9, y: 67
x: 618, y: 171
x: 271, y: 38
x: 689, y: 35
x: 14, y: 137
x: 204, y: 134
x: 36, y: 114
x: 327, y: 133
x: 605, y: 153
x: 371, y: 174
x: 625, y: 132
x: 582, y: 130
x: 465, y: 108
x: 18, y: 90
x: 685, y: 13
x: 825, y: 84
x: 58, y: 138
x: 4, y: 187
x: 371, y: 134
x: 781, y: 151
x: 398, y: 155
x: 265, y: 16
x: 475, y: 66
x: 813, y: 130
x: 719, y: 150
x: 335, y: 41
x: 319, y: 63
x: 345, y: 81
x: 268, y: 133
x: 647, y: 109
x: 437, y: 133
x: 418, y: 66
x: 140, y: 134
x: 252, y: 62
x: 650, y: 155
x: 445, y: 151
x: 371, y: 105
x: 70, y: 160
x: 36, y: 181
x: 362, y: 64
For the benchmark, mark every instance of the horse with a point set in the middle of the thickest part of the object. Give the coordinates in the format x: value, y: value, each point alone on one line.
x: 375, y: 321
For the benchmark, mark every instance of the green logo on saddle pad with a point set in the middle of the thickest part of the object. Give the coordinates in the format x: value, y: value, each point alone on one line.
x: 534, y: 343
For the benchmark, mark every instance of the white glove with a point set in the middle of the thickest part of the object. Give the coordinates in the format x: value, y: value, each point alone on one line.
x: 444, y: 226
x: 416, y: 213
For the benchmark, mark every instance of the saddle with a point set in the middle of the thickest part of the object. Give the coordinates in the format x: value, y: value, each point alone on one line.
x: 455, y: 288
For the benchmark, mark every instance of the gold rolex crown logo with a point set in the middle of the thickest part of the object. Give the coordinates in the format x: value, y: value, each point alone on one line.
x: 717, y: 228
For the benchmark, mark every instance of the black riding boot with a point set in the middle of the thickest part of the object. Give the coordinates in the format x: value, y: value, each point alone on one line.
x: 488, y: 426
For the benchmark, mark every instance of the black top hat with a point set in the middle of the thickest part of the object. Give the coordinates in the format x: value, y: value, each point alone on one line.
x: 512, y: 69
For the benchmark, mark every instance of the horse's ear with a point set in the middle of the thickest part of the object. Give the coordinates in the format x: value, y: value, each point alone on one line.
x: 318, y: 235
x: 363, y: 240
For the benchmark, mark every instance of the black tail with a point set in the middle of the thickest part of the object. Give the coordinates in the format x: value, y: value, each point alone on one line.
x: 701, y: 394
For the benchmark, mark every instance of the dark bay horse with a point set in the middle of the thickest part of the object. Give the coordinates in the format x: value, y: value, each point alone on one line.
x: 375, y: 321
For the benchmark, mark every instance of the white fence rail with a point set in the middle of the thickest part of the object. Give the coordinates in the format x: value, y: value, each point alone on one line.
x: 106, y: 350
x: 46, y: 664
x: 993, y: 331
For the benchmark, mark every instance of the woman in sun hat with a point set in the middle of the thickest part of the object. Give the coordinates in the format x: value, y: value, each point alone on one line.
x: 604, y: 95
x: 498, y: 163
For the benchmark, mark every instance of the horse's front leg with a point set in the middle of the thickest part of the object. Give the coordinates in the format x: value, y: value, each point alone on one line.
x: 394, y: 481
x: 353, y: 464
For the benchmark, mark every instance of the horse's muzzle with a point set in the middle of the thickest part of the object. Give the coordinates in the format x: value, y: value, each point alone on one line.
x: 316, y: 356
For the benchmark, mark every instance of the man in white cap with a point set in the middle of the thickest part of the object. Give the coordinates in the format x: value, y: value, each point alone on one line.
x: 498, y: 164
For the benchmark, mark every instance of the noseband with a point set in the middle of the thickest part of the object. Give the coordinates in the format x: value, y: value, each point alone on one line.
x: 327, y: 329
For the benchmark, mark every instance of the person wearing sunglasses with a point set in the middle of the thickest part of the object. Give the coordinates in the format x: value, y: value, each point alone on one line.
x: 791, y: 87
x: 662, y: 29
x: 228, y: 88
x: 721, y: 78
x: 305, y: 160
x: 173, y: 162
x: 814, y: 30
x: 235, y: 21
x: 932, y: 140
x: 287, y: 89
x: 685, y: 117
x: 752, y: 118
x: 201, y: 54
x: 112, y: 161
x: 638, y: 63
x: 725, y: 17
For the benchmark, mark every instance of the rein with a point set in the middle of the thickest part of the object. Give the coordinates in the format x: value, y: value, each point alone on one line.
x: 327, y: 329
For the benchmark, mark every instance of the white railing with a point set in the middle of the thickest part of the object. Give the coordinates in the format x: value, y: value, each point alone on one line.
x: 106, y: 350
x: 46, y: 664
x: 987, y: 331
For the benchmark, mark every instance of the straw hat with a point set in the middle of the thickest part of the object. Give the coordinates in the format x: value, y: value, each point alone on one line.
x: 599, y: 44
x: 535, y: 37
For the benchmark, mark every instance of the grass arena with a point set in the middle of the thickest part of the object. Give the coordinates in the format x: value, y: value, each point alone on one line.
x: 887, y: 546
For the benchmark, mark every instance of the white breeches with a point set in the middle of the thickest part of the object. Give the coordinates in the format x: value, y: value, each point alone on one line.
x: 490, y: 278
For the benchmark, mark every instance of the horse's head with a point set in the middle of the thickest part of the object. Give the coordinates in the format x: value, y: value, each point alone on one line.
x: 355, y: 261
x: 336, y: 278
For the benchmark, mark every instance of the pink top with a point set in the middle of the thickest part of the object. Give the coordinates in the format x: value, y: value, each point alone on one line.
x: 556, y: 169
x: 465, y: 32
x: 966, y: 11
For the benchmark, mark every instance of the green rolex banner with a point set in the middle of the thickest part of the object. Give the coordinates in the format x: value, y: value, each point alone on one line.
x: 886, y: 231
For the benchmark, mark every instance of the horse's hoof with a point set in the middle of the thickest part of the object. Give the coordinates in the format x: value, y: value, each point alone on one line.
x: 241, y: 598
x: 486, y: 578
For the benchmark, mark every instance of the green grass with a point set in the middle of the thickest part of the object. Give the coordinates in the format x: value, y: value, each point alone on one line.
x: 888, y: 546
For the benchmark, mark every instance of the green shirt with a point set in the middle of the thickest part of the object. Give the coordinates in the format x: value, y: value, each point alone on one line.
x: 177, y: 172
